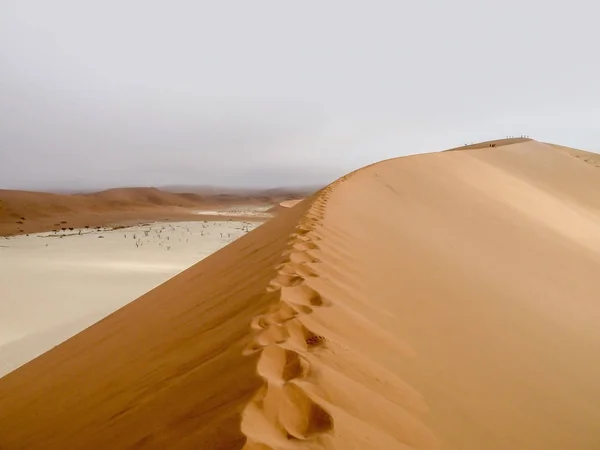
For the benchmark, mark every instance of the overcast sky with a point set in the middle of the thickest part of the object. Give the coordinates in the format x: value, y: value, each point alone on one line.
x: 270, y: 93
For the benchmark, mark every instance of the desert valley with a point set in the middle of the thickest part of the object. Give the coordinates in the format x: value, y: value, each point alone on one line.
x: 83, y: 274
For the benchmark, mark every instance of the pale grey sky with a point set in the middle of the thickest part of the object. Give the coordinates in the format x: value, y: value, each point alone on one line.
x: 274, y: 92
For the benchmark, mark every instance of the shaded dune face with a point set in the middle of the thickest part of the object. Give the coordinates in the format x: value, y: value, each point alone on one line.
x: 444, y: 300
x: 148, y: 376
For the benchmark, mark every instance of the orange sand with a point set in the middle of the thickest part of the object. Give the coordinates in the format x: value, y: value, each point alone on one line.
x: 445, y: 300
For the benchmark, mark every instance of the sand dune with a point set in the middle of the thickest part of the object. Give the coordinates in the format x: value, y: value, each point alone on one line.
x: 445, y: 300
x: 31, y: 212
x: 146, y: 196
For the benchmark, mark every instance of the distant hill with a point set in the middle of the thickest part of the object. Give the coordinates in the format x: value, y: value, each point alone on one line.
x: 145, y: 196
x: 282, y: 193
x: 28, y: 211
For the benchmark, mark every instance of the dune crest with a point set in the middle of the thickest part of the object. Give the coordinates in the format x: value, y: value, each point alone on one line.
x: 302, y: 395
x: 445, y: 300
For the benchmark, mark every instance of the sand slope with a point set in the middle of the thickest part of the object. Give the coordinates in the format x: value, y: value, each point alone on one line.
x: 444, y: 300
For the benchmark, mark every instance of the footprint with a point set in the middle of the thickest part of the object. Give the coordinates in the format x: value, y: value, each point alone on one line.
x: 286, y: 268
x: 309, y: 223
x: 258, y: 427
x: 274, y: 334
x: 305, y: 271
x: 302, y: 295
x: 285, y: 313
x: 286, y: 279
x: 301, y: 231
x: 259, y: 323
x: 252, y: 348
x: 305, y: 245
x: 301, y: 417
x: 278, y: 365
x: 300, y: 309
x: 303, y: 257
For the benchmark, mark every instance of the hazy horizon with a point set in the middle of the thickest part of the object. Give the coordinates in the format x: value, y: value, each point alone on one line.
x: 188, y: 188
x: 272, y: 94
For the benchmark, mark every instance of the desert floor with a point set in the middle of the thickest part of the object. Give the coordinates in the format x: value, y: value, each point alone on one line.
x: 53, y: 285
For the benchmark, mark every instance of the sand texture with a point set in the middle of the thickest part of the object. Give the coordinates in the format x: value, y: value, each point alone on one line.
x: 440, y: 301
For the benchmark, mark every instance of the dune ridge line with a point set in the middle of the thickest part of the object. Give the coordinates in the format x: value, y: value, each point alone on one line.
x: 283, y: 340
x: 294, y: 406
